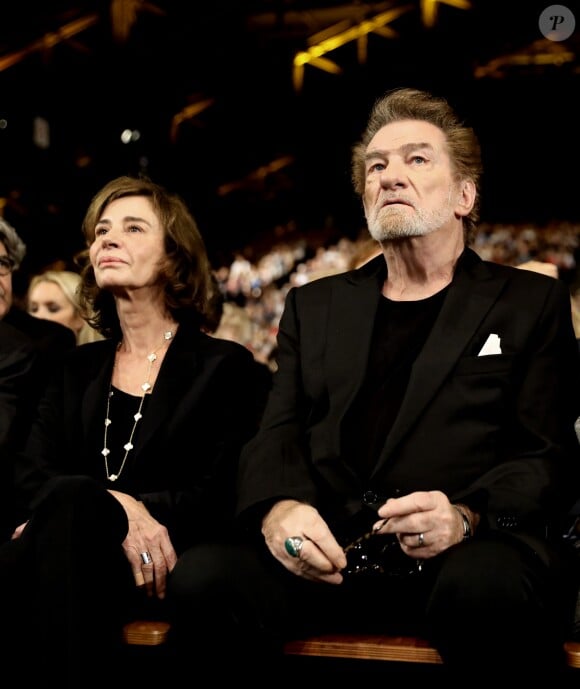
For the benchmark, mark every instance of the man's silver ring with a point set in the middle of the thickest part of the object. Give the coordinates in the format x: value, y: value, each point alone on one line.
x: 146, y: 558
x: 294, y: 545
x: 421, y: 541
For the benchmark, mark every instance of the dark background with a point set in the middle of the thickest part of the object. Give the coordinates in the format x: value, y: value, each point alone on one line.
x: 92, y: 85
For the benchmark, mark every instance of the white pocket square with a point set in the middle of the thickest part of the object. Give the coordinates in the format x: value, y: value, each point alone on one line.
x: 491, y: 346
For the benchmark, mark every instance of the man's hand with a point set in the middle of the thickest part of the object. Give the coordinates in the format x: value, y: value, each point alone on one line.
x: 320, y: 557
x: 425, y: 522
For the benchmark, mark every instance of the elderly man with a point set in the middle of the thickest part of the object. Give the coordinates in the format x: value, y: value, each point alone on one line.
x: 417, y: 449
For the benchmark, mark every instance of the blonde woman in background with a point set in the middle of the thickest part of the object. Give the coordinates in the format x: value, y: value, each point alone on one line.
x: 576, y: 314
x: 53, y: 295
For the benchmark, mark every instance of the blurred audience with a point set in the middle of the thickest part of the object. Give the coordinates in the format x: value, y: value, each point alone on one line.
x: 234, y: 323
x: 542, y: 267
x: 260, y: 287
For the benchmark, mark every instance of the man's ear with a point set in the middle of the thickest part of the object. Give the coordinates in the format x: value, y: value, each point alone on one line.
x: 466, y: 198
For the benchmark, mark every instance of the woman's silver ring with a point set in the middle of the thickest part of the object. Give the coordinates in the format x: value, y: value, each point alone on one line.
x: 146, y: 558
x: 421, y: 541
x: 294, y: 545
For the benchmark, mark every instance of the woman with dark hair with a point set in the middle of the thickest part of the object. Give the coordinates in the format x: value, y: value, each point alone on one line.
x: 130, y: 461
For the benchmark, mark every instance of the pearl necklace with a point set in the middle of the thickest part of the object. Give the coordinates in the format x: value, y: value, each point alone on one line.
x: 146, y: 387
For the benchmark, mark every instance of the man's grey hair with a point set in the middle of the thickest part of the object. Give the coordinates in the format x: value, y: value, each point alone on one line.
x: 15, y: 247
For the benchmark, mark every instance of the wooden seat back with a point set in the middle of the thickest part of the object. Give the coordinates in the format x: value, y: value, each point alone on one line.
x: 406, y: 649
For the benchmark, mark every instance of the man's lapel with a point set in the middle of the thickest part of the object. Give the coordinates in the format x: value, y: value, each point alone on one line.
x: 350, y: 328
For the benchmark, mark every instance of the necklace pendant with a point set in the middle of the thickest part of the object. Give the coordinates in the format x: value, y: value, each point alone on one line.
x: 113, y: 477
x: 152, y: 357
x: 168, y: 334
x: 146, y: 387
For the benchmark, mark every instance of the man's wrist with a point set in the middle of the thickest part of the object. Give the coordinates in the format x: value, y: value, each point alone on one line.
x: 466, y: 522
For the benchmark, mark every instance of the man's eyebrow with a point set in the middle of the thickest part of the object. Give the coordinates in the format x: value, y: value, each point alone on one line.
x: 405, y: 149
x: 409, y: 148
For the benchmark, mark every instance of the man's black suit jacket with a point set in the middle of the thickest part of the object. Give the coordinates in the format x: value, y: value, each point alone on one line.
x: 31, y: 349
x: 46, y: 335
x: 17, y: 356
x: 495, y: 431
x: 49, y: 340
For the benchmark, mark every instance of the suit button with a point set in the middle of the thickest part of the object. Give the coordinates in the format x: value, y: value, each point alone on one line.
x: 370, y: 498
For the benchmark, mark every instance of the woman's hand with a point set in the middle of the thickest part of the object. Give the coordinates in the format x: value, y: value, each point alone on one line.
x: 146, y: 539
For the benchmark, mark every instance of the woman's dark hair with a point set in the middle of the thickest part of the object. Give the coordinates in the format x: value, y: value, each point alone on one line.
x: 185, y: 274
